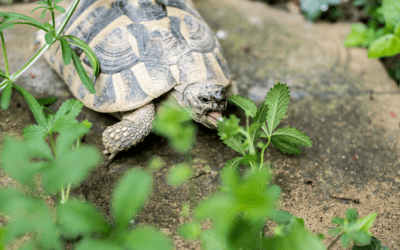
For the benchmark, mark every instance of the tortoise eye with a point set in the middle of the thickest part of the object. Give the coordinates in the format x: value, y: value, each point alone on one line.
x: 204, y: 99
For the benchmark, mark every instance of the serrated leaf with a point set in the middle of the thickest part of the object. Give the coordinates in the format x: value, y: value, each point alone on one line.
x: 6, y: 96
x: 35, y: 107
x: 334, y: 231
x: 60, y: 9
x: 66, y: 51
x: 345, y: 240
x: 88, y: 52
x: 247, y: 105
x: 284, y: 146
x: 364, y: 224
x: 235, y: 144
x: 148, y: 238
x: 81, y: 218
x: 82, y: 73
x: 233, y: 163
x: 34, y: 131
x: 278, y: 102
x: 190, y: 230
x: 126, y: 204
x: 387, y: 45
x: 66, y: 114
x: 72, y: 167
x: 292, y: 136
x: 178, y: 174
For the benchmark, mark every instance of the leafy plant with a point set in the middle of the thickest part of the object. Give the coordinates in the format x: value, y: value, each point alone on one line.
x: 357, y: 230
x: 9, y: 20
x: 381, y: 42
x: 263, y: 125
x: 24, y: 160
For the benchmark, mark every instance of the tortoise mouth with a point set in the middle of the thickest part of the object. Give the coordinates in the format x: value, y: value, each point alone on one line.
x: 212, y: 119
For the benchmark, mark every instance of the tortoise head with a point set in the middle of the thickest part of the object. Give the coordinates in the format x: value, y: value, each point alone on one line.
x: 206, y: 100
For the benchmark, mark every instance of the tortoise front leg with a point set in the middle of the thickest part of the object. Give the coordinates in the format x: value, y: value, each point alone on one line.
x: 133, y: 128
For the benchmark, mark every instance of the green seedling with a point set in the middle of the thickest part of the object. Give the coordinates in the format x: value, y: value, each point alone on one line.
x: 264, y: 122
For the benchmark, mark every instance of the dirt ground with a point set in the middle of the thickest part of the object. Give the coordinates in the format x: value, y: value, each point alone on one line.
x: 331, y: 102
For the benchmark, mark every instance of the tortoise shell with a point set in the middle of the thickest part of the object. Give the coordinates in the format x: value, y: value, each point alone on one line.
x: 145, y: 48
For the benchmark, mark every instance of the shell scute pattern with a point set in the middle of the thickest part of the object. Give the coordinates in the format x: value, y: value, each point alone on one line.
x: 145, y: 48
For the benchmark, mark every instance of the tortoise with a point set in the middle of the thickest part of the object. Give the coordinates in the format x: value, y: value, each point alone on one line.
x: 148, y: 50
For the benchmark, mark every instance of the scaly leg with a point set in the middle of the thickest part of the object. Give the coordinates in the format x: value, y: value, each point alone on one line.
x: 133, y: 128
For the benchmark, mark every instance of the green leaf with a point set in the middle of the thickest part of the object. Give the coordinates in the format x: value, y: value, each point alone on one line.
x: 356, y: 36
x: 391, y: 13
x: 33, y: 217
x: 156, y: 163
x: 2, y: 74
x: 47, y: 100
x: 360, y: 237
x: 72, y: 167
x: 292, y: 136
x: 334, y: 231
x: 49, y: 37
x: 68, y: 137
x: 284, y: 146
x: 190, y: 230
x: 298, y: 238
x: 280, y: 216
x: 278, y: 102
x: 88, y: 52
x: 351, y: 214
x: 387, y: 45
x: 260, y: 118
x: 179, y: 174
x: 374, y: 244
x: 60, y: 9
x: 6, y: 96
x: 35, y: 107
x: 81, y: 218
x: 66, y: 114
x: 212, y: 241
x: 17, y: 159
x: 43, y: 3
x: 40, y: 7
x: 397, y: 30
x: 345, y: 240
x: 82, y: 73
x: 30, y: 20
x: 233, y: 163
x: 66, y: 51
x: 43, y: 13
x: 148, y: 238
x: 126, y: 204
x: 34, y: 131
x: 247, y: 105
x: 49, y: 26
x: 57, y: 1
x: 97, y: 244
x: 176, y: 125
x: 363, y: 224
x: 338, y: 221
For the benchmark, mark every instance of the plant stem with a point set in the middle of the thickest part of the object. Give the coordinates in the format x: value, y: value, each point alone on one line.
x: 53, y: 19
x: 67, y: 194
x: 262, y: 152
x: 251, y: 144
x: 333, y: 242
x: 5, y: 54
x: 43, y: 49
x: 52, y: 144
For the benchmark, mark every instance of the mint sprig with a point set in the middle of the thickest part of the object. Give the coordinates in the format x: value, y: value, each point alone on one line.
x: 264, y: 122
